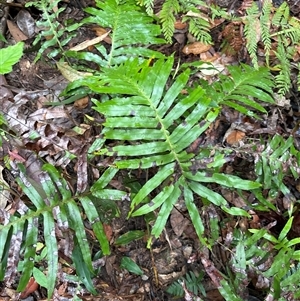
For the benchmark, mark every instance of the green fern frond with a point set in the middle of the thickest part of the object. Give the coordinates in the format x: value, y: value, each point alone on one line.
x: 52, y: 28
x: 192, y: 282
x: 265, y: 25
x: 281, y: 15
x: 148, y: 4
x: 158, y: 124
x: 199, y: 28
x: 53, y: 202
x: 132, y: 31
x: 250, y: 31
x: 241, y: 89
x: 167, y: 18
x: 283, y: 79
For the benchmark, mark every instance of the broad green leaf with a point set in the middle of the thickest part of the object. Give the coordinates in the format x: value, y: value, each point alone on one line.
x: 151, y: 184
x: 286, y: 229
x: 40, y: 277
x: 110, y: 194
x: 205, y: 192
x: 52, y: 248
x: 235, y: 211
x: 29, y: 253
x: 75, y: 219
x: 129, y: 265
x: 82, y: 270
x: 10, y: 56
x: 98, y: 229
x: 129, y: 236
x: 155, y: 203
x: 165, y: 211
x: 194, y: 213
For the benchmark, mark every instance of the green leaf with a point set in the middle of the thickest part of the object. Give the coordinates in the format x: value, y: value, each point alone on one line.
x: 129, y: 265
x: 52, y: 254
x: 29, y: 253
x: 78, y: 227
x: 98, y: 229
x: 10, y: 56
x: 287, y: 227
x: 40, y: 277
x: 165, y: 211
x: 130, y: 236
x: 155, y: 203
x: 82, y: 270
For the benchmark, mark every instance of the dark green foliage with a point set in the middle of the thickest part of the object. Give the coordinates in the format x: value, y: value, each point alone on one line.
x: 193, y: 284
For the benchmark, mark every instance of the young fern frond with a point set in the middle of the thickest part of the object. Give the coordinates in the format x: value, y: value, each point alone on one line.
x: 148, y: 4
x: 250, y: 31
x: 281, y: 15
x: 60, y: 211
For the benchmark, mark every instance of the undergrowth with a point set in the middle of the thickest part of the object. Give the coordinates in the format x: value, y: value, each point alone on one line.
x: 150, y: 123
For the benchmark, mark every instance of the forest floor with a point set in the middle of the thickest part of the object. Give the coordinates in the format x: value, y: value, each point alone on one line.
x: 175, y: 253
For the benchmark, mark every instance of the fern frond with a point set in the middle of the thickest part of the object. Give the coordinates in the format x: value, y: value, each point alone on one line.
x: 251, y: 32
x: 167, y: 18
x: 158, y: 125
x: 148, y: 4
x: 53, y: 28
x: 283, y: 79
x: 53, y: 202
x: 132, y: 30
x: 265, y: 25
x: 281, y: 15
x: 199, y: 28
x: 240, y: 91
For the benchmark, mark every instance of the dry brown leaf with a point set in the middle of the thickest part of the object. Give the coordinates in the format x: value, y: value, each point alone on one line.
x: 101, y: 31
x: 178, y: 222
x: 31, y: 287
x: 89, y: 43
x: 180, y: 25
x: 81, y: 103
x: 195, y: 48
x: 234, y: 136
x: 16, y: 33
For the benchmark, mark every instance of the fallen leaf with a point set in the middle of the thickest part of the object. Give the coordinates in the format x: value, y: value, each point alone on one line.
x: 31, y: 287
x: 195, y: 48
x: 69, y: 73
x: 180, y: 25
x: 15, y: 31
x: 91, y: 42
x: 234, y: 136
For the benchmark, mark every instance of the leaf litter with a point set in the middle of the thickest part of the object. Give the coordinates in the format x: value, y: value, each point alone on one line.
x: 45, y: 133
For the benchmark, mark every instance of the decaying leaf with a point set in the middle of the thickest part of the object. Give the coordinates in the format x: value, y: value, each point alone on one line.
x: 69, y: 73
x: 195, y: 48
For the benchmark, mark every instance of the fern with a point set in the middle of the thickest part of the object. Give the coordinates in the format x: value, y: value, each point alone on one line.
x: 158, y: 125
x: 192, y: 282
x: 250, y: 31
x: 169, y: 8
x: 53, y: 28
x: 265, y: 26
x: 283, y: 78
x: 132, y: 31
x: 240, y: 90
x: 52, y: 201
x: 274, y: 163
x: 148, y: 4
x: 199, y: 28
